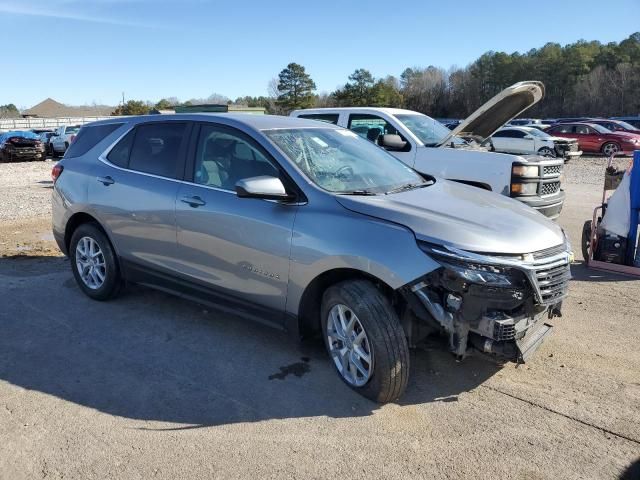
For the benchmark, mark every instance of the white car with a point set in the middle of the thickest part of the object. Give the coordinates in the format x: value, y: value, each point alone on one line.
x: 62, y: 139
x: 432, y: 149
x: 532, y: 141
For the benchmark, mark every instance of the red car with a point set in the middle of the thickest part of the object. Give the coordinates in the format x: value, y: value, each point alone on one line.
x: 616, y: 125
x: 595, y: 138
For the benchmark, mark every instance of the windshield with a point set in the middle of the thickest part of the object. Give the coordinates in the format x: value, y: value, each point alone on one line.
x: 537, y: 133
x: 626, y: 126
x: 340, y: 161
x: 429, y: 131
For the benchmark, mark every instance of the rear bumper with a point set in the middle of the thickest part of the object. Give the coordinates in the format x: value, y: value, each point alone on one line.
x: 550, y: 206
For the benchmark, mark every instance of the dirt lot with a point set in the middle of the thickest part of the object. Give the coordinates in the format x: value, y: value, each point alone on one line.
x: 150, y: 386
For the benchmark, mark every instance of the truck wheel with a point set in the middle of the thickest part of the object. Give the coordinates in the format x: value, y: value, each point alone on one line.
x: 365, y: 340
x: 547, y: 152
x: 94, y: 263
x: 610, y: 148
x: 586, y: 240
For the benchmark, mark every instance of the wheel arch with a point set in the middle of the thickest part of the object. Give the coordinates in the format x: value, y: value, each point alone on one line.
x: 81, y: 218
x: 308, y: 318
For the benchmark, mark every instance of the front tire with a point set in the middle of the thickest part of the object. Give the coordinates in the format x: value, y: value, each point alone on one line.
x: 586, y: 240
x: 610, y: 148
x: 547, y: 152
x: 364, y: 338
x: 93, y: 262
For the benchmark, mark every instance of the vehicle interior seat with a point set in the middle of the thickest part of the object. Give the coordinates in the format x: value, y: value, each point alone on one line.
x: 245, y: 164
x: 215, y: 166
x: 373, y: 134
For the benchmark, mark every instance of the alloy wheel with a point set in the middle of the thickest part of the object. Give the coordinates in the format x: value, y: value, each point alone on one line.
x: 349, y: 345
x: 90, y: 263
x: 610, y: 149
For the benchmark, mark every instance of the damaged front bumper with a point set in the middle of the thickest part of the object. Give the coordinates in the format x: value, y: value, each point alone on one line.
x: 495, y: 304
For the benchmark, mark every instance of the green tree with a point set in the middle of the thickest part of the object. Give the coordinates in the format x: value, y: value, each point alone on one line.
x: 133, y: 107
x: 295, y: 88
x: 164, y: 104
x: 9, y: 110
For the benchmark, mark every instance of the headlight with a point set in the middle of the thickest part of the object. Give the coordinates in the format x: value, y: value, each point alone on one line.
x: 483, y: 274
x: 524, y: 188
x: 525, y: 170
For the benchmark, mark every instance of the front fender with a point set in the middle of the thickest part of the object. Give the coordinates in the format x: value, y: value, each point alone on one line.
x: 327, y: 241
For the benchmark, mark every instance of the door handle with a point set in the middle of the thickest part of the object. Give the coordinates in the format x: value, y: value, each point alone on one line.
x: 194, y: 201
x: 106, y: 180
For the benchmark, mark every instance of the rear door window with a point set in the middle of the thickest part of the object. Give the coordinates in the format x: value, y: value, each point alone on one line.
x: 157, y: 149
x: 119, y: 155
x: 89, y: 137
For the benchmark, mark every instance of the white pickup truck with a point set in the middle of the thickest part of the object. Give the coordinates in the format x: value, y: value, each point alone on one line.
x: 62, y: 138
x: 430, y: 148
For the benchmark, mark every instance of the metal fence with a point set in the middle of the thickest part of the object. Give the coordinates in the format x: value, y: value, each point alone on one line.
x: 7, y: 124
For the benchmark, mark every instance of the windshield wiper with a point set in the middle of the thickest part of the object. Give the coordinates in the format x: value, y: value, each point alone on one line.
x: 407, y: 186
x: 357, y: 192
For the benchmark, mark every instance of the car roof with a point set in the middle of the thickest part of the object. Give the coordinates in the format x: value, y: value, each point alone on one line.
x: 256, y: 122
x: 388, y: 110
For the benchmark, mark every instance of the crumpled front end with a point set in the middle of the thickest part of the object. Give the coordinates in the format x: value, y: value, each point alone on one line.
x: 496, y: 304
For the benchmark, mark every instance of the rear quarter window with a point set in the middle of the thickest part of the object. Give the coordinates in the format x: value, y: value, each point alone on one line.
x: 89, y: 137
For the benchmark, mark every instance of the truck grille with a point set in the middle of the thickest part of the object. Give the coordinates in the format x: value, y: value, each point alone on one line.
x: 549, y: 188
x: 573, y: 147
x: 552, y: 170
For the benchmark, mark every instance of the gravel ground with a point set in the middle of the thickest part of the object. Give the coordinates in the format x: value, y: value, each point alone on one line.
x: 151, y: 386
x: 26, y: 190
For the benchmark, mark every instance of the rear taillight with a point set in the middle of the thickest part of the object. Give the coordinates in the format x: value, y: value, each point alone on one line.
x: 56, y: 171
x: 72, y: 139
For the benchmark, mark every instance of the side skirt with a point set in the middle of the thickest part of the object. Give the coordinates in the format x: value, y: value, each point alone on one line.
x: 187, y: 289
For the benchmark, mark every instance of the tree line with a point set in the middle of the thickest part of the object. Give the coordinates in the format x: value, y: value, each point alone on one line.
x: 582, y: 78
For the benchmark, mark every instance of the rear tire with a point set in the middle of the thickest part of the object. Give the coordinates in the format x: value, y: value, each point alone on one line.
x: 388, y: 366
x: 93, y: 263
x: 586, y: 240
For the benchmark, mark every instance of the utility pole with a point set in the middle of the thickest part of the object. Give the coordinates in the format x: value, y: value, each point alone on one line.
x: 123, y: 99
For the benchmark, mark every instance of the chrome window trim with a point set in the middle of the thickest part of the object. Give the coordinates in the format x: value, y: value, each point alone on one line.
x: 103, y: 158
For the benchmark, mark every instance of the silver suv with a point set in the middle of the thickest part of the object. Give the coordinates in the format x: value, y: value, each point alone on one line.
x: 310, y: 228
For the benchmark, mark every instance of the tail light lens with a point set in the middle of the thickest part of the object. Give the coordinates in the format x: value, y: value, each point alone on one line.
x: 56, y: 171
x: 72, y: 139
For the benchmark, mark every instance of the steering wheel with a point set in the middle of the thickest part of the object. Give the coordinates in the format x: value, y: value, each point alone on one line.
x: 343, y: 171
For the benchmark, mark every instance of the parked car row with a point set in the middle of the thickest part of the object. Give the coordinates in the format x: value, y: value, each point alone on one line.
x: 54, y: 143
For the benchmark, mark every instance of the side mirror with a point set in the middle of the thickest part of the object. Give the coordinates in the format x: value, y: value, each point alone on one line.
x: 392, y: 142
x: 266, y: 188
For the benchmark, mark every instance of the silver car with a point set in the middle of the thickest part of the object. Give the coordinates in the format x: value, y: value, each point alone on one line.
x: 312, y: 229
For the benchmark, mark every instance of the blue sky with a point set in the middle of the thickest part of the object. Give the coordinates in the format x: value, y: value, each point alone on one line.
x: 85, y: 51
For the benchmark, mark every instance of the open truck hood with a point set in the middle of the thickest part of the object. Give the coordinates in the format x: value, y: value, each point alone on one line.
x: 502, y: 108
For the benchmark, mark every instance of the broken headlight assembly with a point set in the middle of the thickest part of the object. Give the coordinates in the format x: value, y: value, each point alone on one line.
x: 468, y: 271
x: 488, y: 275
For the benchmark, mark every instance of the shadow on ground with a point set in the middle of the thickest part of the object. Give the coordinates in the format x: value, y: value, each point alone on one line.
x: 153, y: 357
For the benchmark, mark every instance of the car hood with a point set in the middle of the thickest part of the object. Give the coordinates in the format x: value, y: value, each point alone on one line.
x: 468, y: 218
x: 562, y: 139
x: 502, y: 108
